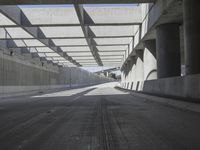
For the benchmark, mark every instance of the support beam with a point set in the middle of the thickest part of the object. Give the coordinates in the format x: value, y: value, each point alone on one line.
x: 191, y: 34
x: 139, y: 65
x: 150, y: 63
x: 80, y: 13
x: 11, y: 44
x: 15, y: 14
x: 151, y: 46
x: 20, y: 2
x: 27, y: 25
x: 168, y: 50
x: 47, y: 38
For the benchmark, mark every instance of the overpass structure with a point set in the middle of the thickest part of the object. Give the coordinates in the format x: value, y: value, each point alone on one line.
x: 87, y: 36
x: 150, y: 40
x: 48, y: 102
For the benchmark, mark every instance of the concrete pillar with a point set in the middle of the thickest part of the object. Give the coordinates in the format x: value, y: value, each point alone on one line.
x: 132, y: 62
x: 150, y: 63
x: 151, y: 46
x: 191, y: 11
x: 132, y: 71
x: 122, y: 78
x: 139, y: 70
x: 128, y: 73
x: 168, y: 50
x: 139, y: 65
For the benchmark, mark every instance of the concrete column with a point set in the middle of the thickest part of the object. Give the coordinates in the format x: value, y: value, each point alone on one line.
x: 139, y: 70
x: 151, y: 46
x: 191, y: 11
x: 122, y: 78
x: 132, y: 71
x: 168, y: 50
x: 150, y: 63
x: 128, y: 73
x: 139, y: 65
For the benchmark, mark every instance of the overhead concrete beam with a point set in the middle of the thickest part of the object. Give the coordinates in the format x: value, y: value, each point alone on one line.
x: 62, y: 46
x: 15, y: 14
x: 17, y: 2
x: 86, y: 31
x: 162, y: 12
x: 87, y: 37
x: 72, y: 25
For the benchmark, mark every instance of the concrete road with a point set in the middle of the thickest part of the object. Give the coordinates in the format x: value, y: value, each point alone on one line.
x: 95, y: 118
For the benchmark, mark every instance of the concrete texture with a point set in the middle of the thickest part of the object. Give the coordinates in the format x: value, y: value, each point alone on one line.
x: 150, y: 62
x: 161, y: 12
x: 184, y: 105
x: 10, y: 2
x: 191, y: 33
x: 21, y: 75
x: 95, y: 118
x: 82, y: 22
x: 186, y: 87
x: 168, y: 50
x: 139, y: 72
x: 157, y: 14
x: 134, y: 71
x: 174, y: 26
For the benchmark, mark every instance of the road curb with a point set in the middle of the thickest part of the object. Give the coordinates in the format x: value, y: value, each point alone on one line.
x: 168, y: 101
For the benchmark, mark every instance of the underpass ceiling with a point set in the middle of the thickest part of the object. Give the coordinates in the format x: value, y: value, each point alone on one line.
x: 37, y: 2
x: 72, y: 35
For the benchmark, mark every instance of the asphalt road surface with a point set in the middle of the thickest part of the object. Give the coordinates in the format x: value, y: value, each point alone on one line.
x: 95, y: 118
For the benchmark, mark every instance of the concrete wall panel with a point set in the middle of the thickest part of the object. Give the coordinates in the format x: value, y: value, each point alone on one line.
x: 150, y: 63
x: 185, y: 87
x: 21, y: 75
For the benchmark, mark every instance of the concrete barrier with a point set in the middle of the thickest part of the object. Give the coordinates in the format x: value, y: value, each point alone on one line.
x: 183, y: 87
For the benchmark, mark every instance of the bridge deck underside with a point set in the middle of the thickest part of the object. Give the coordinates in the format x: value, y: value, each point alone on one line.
x: 72, y: 34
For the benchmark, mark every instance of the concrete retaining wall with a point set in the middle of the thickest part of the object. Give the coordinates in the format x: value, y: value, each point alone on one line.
x: 185, y: 87
x: 21, y: 75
